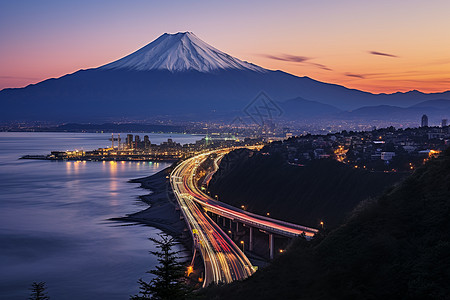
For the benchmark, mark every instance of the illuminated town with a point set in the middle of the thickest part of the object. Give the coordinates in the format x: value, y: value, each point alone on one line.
x: 135, y: 149
x: 387, y: 150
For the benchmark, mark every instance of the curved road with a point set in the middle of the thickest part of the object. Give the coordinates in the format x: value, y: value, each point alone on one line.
x: 224, y: 261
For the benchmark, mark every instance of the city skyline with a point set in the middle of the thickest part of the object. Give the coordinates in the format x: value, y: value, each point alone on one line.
x: 376, y: 47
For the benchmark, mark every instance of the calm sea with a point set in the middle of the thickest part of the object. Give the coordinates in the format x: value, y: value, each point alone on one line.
x: 53, y: 219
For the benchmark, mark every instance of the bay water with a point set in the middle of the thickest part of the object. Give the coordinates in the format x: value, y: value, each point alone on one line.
x: 54, y: 218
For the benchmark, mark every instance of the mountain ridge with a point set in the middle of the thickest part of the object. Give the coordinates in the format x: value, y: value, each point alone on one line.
x: 180, y: 52
x: 199, y: 89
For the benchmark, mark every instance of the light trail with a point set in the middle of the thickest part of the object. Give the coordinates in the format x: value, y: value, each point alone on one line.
x: 223, y: 259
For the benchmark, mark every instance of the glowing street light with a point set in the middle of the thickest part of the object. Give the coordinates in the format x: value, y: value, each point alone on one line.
x: 190, y: 269
x: 242, y: 243
x: 321, y: 224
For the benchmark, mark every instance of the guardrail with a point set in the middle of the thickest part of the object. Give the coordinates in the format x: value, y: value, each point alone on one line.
x: 256, y: 224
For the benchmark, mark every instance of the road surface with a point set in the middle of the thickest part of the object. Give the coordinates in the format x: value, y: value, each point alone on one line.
x: 224, y: 261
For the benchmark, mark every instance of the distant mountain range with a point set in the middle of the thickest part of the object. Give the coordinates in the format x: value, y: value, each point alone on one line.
x: 180, y: 76
x: 438, y: 109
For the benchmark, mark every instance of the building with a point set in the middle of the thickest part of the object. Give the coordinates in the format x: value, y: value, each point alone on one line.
x: 129, y: 141
x: 444, y: 123
x: 147, y: 142
x: 424, y: 121
x: 137, y: 141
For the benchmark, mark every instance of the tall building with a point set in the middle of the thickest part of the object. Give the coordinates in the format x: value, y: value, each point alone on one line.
x: 424, y: 121
x: 146, y: 142
x: 112, y: 140
x: 444, y: 123
x: 129, y: 141
x: 137, y: 141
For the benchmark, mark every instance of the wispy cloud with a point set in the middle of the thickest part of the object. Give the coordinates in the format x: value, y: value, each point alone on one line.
x: 381, y: 54
x: 320, y: 66
x: 287, y: 57
x: 296, y: 59
x: 360, y: 76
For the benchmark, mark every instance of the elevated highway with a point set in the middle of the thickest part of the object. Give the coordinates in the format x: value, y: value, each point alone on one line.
x: 224, y: 261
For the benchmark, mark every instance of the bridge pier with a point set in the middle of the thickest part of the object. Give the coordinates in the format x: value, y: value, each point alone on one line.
x: 271, y: 245
x: 237, y: 226
x: 223, y: 221
x: 250, y: 244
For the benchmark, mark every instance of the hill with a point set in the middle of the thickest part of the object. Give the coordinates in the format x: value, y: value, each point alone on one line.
x: 322, y: 190
x: 393, y: 248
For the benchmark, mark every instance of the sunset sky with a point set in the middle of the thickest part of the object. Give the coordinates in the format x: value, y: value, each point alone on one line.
x: 376, y: 46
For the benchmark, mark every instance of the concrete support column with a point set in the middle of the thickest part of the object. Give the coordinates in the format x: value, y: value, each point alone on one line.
x: 231, y: 222
x: 250, y: 244
x: 237, y: 226
x: 271, y: 245
x: 223, y: 221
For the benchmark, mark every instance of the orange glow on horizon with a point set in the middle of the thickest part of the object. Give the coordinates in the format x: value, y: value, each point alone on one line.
x: 378, y: 46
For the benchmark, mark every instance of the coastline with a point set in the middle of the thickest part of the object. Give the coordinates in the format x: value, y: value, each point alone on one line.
x: 163, y: 212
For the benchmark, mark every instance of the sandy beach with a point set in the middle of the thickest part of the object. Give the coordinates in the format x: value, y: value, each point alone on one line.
x: 162, y: 212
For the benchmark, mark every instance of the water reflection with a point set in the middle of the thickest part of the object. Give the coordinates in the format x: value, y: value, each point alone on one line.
x: 52, y: 220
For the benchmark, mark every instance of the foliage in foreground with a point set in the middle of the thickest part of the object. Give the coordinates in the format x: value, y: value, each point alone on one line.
x: 38, y: 291
x: 168, y: 282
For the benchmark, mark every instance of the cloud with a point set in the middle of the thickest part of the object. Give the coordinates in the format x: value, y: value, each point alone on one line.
x: 320, y: 66
x: 296, y: 59
x: 287, y: 57
x: 360, y: 76
x: 381, y: 54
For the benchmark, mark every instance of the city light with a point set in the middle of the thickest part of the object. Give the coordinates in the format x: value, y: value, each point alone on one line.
x: 190, y: 269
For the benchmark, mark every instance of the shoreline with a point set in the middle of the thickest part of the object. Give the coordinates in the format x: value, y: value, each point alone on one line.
x: 163, y: 212
x: 101, y: 158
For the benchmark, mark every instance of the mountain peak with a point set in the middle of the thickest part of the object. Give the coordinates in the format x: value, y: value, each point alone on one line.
x: 178, y: 52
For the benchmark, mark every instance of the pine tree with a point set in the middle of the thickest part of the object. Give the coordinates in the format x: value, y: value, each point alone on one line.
x: 38, y: 291
x: 168, y: 282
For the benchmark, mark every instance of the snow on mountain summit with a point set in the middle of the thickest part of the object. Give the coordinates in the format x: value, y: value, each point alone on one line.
x: 182, y: 51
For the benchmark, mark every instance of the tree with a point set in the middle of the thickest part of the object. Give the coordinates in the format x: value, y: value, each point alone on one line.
x: 168, y: 282
x: 38, y: 291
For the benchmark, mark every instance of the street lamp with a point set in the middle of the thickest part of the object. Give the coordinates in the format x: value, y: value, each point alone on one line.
x: 242, y: 243
x: 321, y: 224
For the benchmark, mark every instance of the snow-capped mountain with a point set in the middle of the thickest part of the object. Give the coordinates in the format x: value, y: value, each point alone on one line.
x: 180, y: 76
x: 182, y: 51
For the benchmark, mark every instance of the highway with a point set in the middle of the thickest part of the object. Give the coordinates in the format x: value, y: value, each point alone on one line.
x: 224, y: 261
